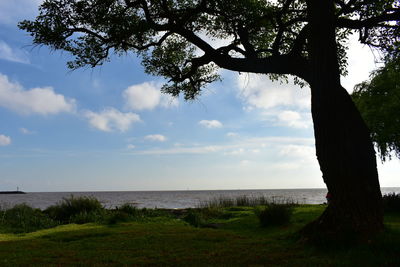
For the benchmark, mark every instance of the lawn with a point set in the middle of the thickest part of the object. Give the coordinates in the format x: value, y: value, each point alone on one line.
x: 233, y: 237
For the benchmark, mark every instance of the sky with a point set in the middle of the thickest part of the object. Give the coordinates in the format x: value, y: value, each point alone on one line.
x: 110, y: 128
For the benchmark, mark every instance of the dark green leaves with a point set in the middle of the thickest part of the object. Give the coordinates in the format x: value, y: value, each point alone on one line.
x: 379, y: 103
x: 175, y: 37
x: 175, y: 59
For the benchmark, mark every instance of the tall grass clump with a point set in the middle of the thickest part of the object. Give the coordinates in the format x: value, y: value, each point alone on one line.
x: 77, y: 210
x: 128, y: 212
x: 244, y: 201
x: 23, y: 219
x: 391, y: 202
x: 274, y: 214
x: 194, y: 218
x: 124, y: 213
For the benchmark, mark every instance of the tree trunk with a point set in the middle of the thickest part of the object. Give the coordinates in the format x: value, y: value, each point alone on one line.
x: 343, y: 145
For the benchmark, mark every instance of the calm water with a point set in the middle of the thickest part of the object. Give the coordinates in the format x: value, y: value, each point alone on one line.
x: 168, y: 199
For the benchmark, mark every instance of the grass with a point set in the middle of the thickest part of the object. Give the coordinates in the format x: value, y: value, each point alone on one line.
x: 76, y: 210
x: 274, y: 214
x: 244, y: 201
x: 164, y: 238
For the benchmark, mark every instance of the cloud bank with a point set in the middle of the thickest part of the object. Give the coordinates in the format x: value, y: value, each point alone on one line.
x: 110, y: 120
x: 4, y: 140
x: 10, y: 54
x: 41, y: 100
x: 148, y: 96
x: 210, y: 124
x: 156, y: 138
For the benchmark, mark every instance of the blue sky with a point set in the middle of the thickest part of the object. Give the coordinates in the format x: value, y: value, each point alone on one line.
x: 109, y: 128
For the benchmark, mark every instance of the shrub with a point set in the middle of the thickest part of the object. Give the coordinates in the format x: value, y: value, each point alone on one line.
x: 211, y: 212
x: 88, y: 217
x: 130, y: 210
x: 23, y: 219
x: 274, y: 214
x: 194, y: 218
x: 391, y: 202
x: 75, y: 209
x: 118, y: 216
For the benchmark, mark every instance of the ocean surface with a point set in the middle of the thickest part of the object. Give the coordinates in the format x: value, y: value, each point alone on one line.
x: 168, y: 199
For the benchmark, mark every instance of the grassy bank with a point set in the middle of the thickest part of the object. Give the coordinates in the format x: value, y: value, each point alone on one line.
x: 225, y: 236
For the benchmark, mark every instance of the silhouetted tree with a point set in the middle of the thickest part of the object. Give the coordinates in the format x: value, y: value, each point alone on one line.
x: 379, y: 103
x: 303, y: 38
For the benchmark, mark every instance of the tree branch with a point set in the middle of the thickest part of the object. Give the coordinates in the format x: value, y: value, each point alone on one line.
x: 368, y: 23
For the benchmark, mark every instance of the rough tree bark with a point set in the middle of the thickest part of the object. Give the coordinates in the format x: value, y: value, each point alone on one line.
x: 343, y: 145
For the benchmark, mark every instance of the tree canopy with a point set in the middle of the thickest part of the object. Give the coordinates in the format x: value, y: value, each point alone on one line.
x: 379, y: 103
x: 174, y: 37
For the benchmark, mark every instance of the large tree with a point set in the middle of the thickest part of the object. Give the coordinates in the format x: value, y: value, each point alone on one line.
x: 303, y: 38
x: 379, y: 103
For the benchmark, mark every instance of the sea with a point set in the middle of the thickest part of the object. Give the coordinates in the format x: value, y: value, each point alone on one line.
x: 169, y: 199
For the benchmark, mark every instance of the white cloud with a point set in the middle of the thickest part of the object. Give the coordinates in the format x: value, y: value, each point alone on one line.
x: 4, y: 140
x: 288, y: 118
x: 130, y: 146
x: 110, y: 120
x: 155, y: 138
x: 301, y: 152
x: 42, y: 101
x: 260, y: 92
x: 232, y: 134
x: 10, y: 54
x: 245, y: 162
x: 289, y: 115
x: 242, y: 151
x: 235, y: 152
x: 246, y: 146
x: 294, y: 119
x: 147, y: 95
x: 181, y: 150
x: 210, y: 123
x: 25, y: 131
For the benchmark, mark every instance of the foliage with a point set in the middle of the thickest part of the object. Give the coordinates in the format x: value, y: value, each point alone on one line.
x: 175, y: 37
x: 128, y: 213
x: 23, y: 219
x: 243, y: 201
x: 129, y: 209
x: 274, y: 214
x: 81, y: 209
x: 194, y: 218
x: 379, y: 103
x: 391, y: 202
x: 117, y: 216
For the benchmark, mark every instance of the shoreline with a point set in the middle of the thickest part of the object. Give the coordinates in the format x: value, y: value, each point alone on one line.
x: 11, y: 192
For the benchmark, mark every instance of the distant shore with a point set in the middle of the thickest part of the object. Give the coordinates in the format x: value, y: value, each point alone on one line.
x: 12, y: 192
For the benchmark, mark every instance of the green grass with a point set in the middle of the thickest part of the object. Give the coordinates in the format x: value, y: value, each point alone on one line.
x: 235, y: 238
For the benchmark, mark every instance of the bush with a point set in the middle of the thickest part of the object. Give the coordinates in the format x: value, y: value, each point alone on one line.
x: 88, y: 217
x: 215, y: 213
x: 118, y: 216
x: 391, y: 202
x: 82, y: 209
x: 23, y: 219
x: 194, y: 218
x: 274, y: 214
x: 130, y: 210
